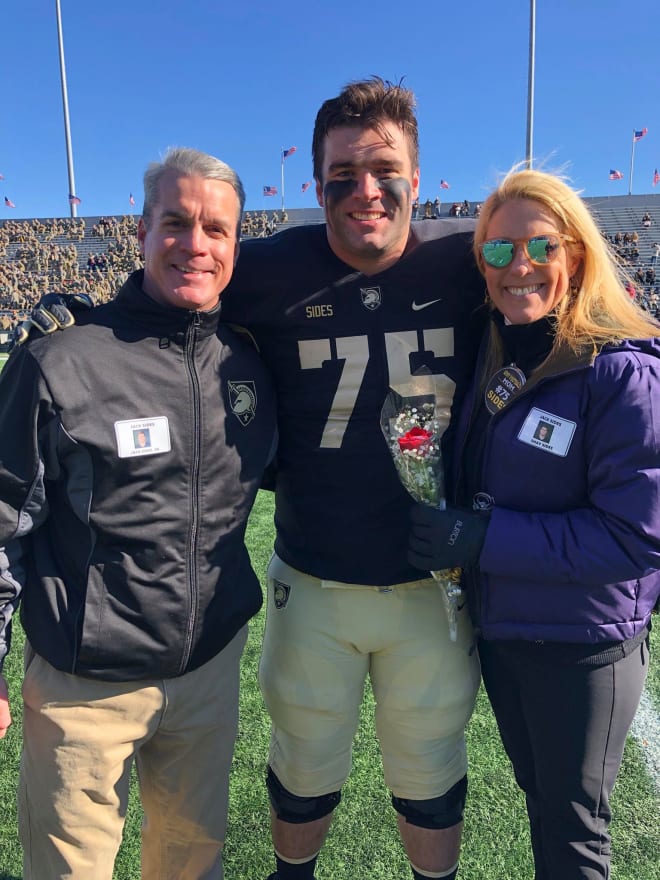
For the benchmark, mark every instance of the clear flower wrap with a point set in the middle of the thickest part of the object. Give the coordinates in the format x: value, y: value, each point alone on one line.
x: 413, y: 419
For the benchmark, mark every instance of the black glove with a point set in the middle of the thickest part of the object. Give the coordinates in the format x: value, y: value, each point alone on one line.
x: 445, y: 538
x: 54, y: 311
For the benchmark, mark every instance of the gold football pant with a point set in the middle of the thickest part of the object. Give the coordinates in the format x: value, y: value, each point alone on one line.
x: 323, y: 639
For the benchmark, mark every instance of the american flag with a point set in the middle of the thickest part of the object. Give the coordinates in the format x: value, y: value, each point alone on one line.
x: 9, y: 203
x: 73, y: 200
x: 306, y: 186
x: 444, y: 184
x: 638, y: 135
x: 288, y: 152
x: 615, y: 175
x: 270, y: 190
x: 131, y: 200
x: 656, y: 177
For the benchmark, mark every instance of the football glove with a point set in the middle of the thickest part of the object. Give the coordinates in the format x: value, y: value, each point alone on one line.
x: 447, y: 538
x: 54, y: 311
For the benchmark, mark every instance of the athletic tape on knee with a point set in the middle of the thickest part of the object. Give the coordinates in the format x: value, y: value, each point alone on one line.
x: 292, y: 808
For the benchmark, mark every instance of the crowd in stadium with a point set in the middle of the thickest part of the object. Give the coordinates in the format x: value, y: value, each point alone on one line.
x: 37, y: 256
x: 431, y: 210
x: 643, y: 275
x: 41, y: 255
x: 257, y: 225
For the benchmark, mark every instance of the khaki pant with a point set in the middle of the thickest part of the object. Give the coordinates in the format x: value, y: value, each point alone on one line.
x: 80, y: 739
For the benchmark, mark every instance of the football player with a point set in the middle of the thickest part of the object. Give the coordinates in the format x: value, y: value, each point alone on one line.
x: 341, y: 312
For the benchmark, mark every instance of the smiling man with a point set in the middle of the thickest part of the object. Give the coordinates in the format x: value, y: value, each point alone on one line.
x: 367, y: 184
x: 341, y: 312
x: 189, y: 240
x: 131, y: 451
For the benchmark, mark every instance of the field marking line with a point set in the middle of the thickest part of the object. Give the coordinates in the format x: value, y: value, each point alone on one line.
x: 646, y: 730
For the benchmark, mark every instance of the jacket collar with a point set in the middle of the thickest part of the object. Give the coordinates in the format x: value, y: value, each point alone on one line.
x: 160, y: 319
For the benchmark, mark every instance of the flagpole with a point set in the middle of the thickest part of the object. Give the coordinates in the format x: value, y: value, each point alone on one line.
x: 282, y: 174
x: 65, y: 104
x: 530, y: 83
x: 632, y: 159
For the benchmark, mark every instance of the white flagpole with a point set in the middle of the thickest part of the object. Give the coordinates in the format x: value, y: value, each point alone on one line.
x: 632, y: 159
x: 530, y: 84
x: 65, y: 104
x: 282, y: 174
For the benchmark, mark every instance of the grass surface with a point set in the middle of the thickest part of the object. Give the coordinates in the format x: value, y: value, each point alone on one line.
x: 363, y: 841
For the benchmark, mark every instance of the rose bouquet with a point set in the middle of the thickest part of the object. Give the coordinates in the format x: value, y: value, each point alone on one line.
x: 413, y: 419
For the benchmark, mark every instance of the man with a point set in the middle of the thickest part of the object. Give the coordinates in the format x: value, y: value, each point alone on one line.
x: 141, y: 439
x: 131, y: 450
x: 341, y: 312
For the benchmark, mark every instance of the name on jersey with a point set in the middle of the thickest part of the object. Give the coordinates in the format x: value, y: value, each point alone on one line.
x: 324, y: 311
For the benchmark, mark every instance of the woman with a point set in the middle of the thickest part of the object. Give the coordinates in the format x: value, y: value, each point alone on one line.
x: 558, y: 516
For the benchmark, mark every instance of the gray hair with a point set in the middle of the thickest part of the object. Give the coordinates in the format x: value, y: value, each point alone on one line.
x: 188, y: 162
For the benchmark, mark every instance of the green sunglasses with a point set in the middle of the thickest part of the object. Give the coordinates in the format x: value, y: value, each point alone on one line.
x: 540, y: 249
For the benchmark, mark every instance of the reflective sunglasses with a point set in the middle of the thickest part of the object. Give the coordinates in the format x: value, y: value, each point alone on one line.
x: 539, y: 250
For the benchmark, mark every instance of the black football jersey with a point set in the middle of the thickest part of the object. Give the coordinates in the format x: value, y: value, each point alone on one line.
x: 335, y: 340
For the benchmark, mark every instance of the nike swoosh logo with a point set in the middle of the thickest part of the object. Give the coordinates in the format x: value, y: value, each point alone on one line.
x: 417, y: 307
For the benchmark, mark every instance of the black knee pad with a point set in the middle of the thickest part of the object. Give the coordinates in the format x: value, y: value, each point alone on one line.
x: 292, y: 808
x: 439, y: 812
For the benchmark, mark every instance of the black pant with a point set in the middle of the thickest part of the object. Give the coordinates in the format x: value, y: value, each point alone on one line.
x: 564, y: 727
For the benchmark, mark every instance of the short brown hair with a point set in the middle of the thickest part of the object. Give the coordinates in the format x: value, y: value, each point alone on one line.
x: 367, y: 104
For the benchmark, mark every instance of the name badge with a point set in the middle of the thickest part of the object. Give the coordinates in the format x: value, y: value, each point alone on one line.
x: 142, y: 436
x: 548, y: 432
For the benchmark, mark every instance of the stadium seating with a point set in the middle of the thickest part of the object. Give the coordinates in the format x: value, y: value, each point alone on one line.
x: 97, y: 253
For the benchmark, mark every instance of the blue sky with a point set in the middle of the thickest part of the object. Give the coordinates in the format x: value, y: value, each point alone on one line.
x: 242, y: 80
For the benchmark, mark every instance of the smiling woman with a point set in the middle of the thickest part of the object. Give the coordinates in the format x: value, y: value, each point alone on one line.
x: 528, y: 264
x: 567, y: 468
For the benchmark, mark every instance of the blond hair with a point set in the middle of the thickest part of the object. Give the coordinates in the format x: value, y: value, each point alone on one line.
x: 597, y: 309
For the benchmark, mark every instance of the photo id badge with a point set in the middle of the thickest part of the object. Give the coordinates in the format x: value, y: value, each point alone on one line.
x: 142, y: 436
x: 548, y: 432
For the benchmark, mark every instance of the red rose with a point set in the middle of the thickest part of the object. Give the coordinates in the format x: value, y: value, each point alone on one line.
x: 414, y: 438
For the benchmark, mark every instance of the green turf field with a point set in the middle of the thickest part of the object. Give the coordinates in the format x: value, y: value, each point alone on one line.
x: 363, y: 841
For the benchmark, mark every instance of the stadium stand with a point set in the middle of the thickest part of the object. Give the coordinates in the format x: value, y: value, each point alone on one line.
x: 98, y: 253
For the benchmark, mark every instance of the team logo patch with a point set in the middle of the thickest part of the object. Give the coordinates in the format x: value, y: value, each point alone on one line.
x: 371, y: 297
x: 280, y: 593
x: 243, y: 400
